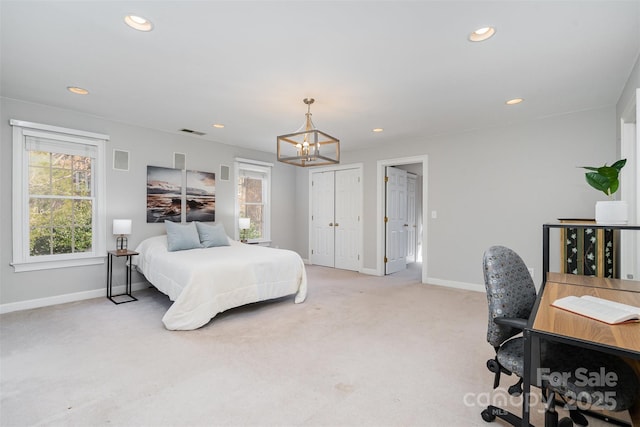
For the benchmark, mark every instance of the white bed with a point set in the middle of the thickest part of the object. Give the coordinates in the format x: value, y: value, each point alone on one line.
x: 203, y: 282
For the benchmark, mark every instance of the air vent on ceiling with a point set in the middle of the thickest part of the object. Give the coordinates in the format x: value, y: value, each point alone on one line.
x: 193, y: 132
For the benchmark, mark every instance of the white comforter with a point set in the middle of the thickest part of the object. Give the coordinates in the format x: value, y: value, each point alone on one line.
x: 206, y: 281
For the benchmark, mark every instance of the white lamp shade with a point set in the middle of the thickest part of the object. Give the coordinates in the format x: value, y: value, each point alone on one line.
x: 244, y: 223
x: 121, y: 226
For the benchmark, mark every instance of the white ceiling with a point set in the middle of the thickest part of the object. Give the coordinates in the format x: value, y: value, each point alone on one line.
x: 405, y: 66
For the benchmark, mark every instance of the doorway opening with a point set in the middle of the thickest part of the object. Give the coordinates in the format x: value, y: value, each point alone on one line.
x: 416, y: 165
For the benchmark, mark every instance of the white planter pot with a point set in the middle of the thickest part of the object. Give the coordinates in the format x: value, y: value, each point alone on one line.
x: 614, y: 212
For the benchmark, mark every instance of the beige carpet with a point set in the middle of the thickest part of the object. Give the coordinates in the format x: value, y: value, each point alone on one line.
x: 361, y: 351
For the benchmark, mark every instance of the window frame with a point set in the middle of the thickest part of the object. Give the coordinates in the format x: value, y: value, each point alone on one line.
x: 259, y: 167
x: 22, y: 260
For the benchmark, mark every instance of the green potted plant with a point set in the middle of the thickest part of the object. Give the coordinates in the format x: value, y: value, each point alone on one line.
x: 606, y: 179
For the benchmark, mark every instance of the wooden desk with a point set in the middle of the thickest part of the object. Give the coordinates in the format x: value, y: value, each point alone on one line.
x: 551, y: 323
x: 623, y: 339
x: 594, y: 282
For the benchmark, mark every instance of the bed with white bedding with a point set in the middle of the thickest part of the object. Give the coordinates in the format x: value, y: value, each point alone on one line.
x: 203, y: 282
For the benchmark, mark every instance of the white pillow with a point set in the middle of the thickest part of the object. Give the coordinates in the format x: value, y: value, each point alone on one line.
x: 212, y: 235
x: 182, y: 236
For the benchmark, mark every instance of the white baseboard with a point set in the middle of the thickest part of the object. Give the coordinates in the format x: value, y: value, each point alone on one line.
x: 454, y: 284
x: 370, y: 271
x: 435, y: 281
x: 61, y: 299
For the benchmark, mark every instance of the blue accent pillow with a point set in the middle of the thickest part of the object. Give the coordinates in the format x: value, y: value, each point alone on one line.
x: 181, y: 236
x: 212, y: 235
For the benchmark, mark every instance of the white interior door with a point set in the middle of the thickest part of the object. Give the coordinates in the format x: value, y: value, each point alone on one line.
x: 396, y: 220
x: 347, y: 219
x: 322, y: 219
x: 411, y: 218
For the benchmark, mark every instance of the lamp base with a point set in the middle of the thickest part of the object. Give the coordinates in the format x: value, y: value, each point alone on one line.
x: 121, y: 243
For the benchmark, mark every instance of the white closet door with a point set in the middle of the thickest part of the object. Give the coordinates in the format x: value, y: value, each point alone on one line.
x: 396, y: 225
x: 411, y: 218
x: 347, y: 219
x: 322, y: 219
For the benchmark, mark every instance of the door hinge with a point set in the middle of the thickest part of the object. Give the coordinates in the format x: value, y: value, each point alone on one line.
x: 386, y: 260
x: 386, y: 179
x: 386, y: 219
x: 358, y: 257
x: 311, y: 251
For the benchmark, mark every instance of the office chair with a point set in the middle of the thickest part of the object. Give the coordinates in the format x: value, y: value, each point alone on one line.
x: 511, y: 295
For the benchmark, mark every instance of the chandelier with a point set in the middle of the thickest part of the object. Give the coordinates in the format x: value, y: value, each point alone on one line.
x: 308, y: 146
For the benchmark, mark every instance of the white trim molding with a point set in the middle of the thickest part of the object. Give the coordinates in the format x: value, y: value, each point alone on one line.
x: 28, y: 135
x: 58, y: 129
x: 62, y: 299
x: 254, y: 162
x: 457, y: 285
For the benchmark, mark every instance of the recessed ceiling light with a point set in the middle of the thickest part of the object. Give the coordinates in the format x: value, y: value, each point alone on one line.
x: 138, y: 23
x: 77, y: 90
x: 514, y: 101
x: 218, y: 125
x: 482, y: 34
x: 377, y: 130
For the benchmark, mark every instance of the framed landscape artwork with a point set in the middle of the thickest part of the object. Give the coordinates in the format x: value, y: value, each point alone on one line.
x: 177, y: 195
x: 201, y: 196
x: 164, y: 194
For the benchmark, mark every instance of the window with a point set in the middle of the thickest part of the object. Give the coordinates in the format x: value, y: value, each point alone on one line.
x: 253, y: 198
x: 58, y: 197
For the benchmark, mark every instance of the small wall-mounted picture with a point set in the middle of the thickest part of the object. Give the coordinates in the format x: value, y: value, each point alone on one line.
x: 201, y: 196
x: 164, y: 194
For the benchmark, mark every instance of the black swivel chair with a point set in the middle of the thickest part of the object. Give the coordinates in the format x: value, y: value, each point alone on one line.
x: 511, y: 295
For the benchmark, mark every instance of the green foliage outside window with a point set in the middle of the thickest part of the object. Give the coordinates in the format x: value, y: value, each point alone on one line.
x: 250, y: 194
x: 60, y: 204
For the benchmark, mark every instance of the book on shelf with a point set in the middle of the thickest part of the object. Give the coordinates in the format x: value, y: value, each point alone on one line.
x: 601, y: 309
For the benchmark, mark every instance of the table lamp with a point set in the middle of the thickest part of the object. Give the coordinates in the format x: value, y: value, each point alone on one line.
x: 121, y: 228
x: 244, y: 224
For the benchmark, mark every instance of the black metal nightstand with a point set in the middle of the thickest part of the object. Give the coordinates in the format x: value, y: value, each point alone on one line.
x: 120, y: 253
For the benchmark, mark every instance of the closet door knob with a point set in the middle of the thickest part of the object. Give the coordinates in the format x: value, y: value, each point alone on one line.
x: 330, y: 224
x: 336, y: 224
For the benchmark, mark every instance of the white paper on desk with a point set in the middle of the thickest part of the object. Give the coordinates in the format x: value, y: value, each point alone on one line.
x: 601, y: 309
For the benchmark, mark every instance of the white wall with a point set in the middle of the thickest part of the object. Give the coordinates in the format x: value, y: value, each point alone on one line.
x: 126, y: 193
x: 495, y: 186
x: 629, y: 92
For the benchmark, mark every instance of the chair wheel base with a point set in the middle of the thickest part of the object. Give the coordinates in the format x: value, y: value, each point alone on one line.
x: 565, y: 422
x: 488, y: 416
x: 493, y: 365
x: 493, y: 412
x: 515, y: 390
